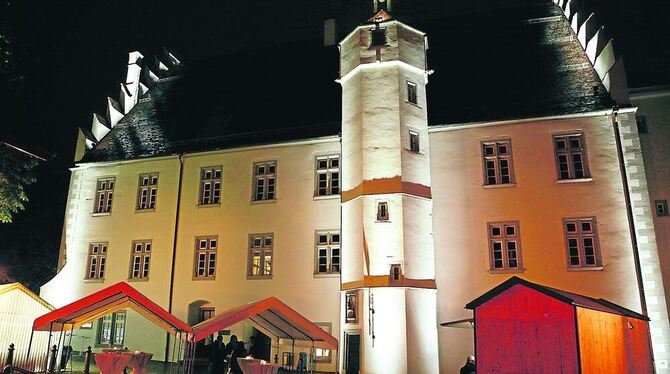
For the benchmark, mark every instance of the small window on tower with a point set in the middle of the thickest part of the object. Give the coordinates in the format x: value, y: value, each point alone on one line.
x: 411, y: 92
x: 395, y: 274
x: 378, y: 37
x: 414, y: 141
x: 382, y: 211
x: 661, y: 207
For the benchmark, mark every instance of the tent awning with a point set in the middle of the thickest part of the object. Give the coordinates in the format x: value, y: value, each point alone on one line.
x: 271, y: 315
x: 108, y: 300
x: 467, y: 323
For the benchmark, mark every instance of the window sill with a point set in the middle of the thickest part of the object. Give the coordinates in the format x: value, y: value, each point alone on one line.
x: 101, y: 214
x: 94, y: 280
x: 267, y: 201
x: 259, y: 277
x: 413, y: 104
x: 327, y: 197
x: 580, y: 180
x: 203, y: 278
x: 326, y: 275
x: 502, y: 185
x: 506, y: 271
x: 152, y: 210
x: 208, y: 205
x: 586, y: 268
x: 383, y: 221
x: 138, y: 279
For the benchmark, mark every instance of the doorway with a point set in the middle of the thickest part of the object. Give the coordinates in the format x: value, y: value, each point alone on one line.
x: 352, y: 352
x: 262, y: 345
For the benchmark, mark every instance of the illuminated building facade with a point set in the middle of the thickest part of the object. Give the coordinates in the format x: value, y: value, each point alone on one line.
x: 377, y: 219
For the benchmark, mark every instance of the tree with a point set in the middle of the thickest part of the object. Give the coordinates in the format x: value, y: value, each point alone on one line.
x: 15, y: 175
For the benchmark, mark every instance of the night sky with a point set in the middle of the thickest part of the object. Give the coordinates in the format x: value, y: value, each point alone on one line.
x: 73, y: 54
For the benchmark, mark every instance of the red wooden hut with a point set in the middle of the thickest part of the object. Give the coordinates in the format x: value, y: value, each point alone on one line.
x: 523, y: 327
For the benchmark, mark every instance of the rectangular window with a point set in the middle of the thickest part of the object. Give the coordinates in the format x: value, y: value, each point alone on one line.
x: 571, y: 157
x: 328, y: 175
x: 97, y: 261
x: 104, y: 192
x: 414, y: 145
x: 497, y: 158
x: 351, y: 306
x: 147, y: 190
x: 327, y: 252
x: 581, y: 241
x: 661, y: 207
x: 504, y: 246
x: 382, y: 211
x: 210, y: 185
x: 139, y: 259
x: 264, y: 182
x: 320, y: 354
x: 205, y: 257
x: 411, y: 92
x: 260, y: 255
x: 111, y: 329
x: 378, y: 37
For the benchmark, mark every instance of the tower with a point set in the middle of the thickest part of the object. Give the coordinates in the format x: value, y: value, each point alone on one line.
x: 388, y: 264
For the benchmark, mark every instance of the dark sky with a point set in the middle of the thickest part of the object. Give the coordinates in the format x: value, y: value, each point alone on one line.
x: 73, y: 54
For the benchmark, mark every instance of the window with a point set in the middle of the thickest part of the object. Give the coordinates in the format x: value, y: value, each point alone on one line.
x: 571, y: 157
x: 411, y: 92
x: 320, y: 354
x: 382, y: 211
x: 97, y: 261
x: 661, y: 207
x: 210, y: 185
x: 351, y: 305
x: 497, y: 157
x: 414, y: 141
x: 140, y: 256
x: 111, y: 329
x: 103, y: 195
x: 504, y: 246
x: 378, y: 37
x: 581, y: 241
x: 205, y: 256
x: 264, y: 180
x: 147, y: 189
x: 395, y: 274
x: 260, y: 255
x: 328, y: 175
x: 327, y: 252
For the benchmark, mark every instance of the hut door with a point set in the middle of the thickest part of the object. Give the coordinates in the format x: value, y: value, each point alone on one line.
x: 352, y: 347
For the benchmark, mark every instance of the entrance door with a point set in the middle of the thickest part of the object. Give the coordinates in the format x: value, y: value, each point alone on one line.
x: 352, y: 347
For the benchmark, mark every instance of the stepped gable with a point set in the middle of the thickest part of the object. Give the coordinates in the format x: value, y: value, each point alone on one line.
x: 503, y: 64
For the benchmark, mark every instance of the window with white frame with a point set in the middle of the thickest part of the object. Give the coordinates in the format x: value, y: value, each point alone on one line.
x: 147, y: 190
x: 264, y: 183
x: 140, y: 259
x: 411, y: 92
x: 210, y: 185
x: 571, y: 160
x: 97, y: 261
x: 504, y: 246
x: 320, y: 354
x: 497, y: 158
x: 104, y: 192
x: 111, y: 329
x: 328, y: 175
x: 414, y: 145
x: 205, y: 257
x: 260, y: 255
x: 581, y: 241
x: 327, y: 252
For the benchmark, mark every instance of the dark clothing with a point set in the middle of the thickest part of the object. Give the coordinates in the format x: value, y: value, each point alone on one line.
x: 468, y: 368
x: 217, y: 357
x: 237, y: 351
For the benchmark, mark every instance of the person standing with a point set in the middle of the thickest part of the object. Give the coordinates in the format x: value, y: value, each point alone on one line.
x: 237, y: 352
x: 469, y: 367
x: 217, y: 356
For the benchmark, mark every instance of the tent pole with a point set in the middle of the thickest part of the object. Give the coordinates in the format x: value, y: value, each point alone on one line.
x: 48, y: 345
x: 292, y: 353
x: 311, y: 359
x: 30, y: 344
x: 69, y: 344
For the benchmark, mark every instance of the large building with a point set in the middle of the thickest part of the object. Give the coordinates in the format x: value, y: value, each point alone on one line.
x: 376, y: 202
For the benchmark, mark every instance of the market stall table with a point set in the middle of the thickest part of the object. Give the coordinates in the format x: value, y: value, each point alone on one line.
x: 254, y: 366
x: 115, y: 361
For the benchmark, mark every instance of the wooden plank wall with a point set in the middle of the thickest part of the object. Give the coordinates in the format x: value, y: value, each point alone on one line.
x: 524, y: 331
x: 608, y: 344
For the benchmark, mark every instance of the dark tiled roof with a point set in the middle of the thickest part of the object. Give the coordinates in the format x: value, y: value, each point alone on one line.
x: 504, y: 64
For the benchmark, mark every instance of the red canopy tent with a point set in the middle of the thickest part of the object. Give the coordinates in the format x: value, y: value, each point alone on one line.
x: 109, y: 300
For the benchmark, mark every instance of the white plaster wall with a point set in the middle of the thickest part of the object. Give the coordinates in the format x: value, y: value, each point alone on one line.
x: 415, y: 167
x: 384, y: 238
x: 462, y: 207
x: 389, y: 353
x: 353, y: 241
x: 352, y: 141
x: 419, y: 254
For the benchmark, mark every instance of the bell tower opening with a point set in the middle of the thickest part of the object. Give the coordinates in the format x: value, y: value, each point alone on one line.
x: 382, y: 5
